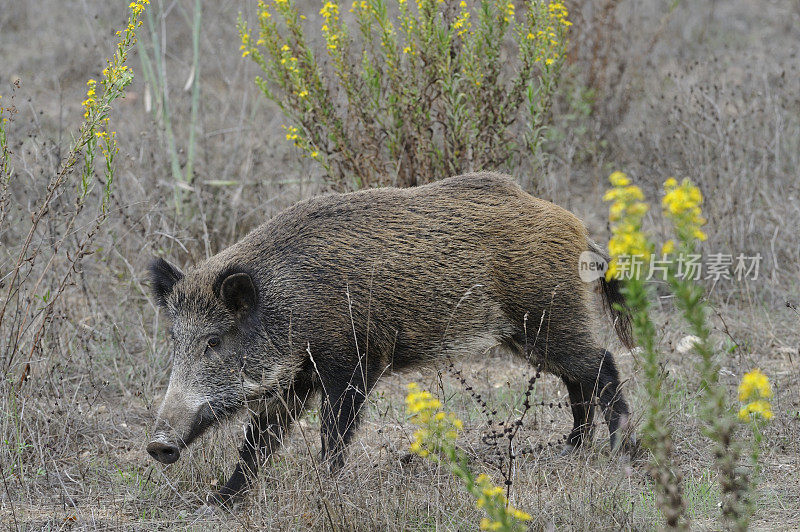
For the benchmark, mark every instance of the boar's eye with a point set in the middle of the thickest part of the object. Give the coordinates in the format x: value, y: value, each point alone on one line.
x: 213, y: 341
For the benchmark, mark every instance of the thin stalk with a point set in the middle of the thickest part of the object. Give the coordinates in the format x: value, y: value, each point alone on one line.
x: 158, y: 77
x: 195, y: 89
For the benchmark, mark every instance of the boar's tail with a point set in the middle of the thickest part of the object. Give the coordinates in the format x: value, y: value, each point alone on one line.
x: 614, y: 301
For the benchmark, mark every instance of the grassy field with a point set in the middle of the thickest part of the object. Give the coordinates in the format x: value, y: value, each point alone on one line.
x: 706, y: 90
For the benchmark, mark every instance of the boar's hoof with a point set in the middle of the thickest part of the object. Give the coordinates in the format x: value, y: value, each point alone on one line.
x: 631, y: 450
x: 218, y: 503
x: 166, y: 453
x: 207, y: 511
x: 568, y: 449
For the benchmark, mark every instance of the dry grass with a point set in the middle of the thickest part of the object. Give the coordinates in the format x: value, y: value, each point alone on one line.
x: 696, y: 92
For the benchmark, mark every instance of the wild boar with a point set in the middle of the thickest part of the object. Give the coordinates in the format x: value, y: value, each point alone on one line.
x: 338, y: 290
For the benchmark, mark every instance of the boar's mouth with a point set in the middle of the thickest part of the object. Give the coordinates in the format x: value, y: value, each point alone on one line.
x: 166, y: 447
x: 203, y: 420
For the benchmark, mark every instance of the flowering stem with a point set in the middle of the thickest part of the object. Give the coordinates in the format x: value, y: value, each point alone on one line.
x: 626, y: 213
x: 682, y: 206
x: 435, y: 440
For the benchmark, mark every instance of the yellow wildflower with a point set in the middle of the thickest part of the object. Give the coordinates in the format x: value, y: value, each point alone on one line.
x: 681, y: 204
x: 619, y: 179
x: 509, y: 14
x: 756, y: 409
x: 754, y: 392
x: 754, y: 385
x: 436, y: 436
x: 626, y: 213
x: 435, y: 426
x: 462, y: 25
x: 519, y: 514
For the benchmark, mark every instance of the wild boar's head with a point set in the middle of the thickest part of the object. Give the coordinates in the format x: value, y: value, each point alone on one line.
x: 220, y: 352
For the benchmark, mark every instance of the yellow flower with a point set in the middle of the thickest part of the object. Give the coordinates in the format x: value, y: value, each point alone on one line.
x: 754, y: 385
x: 756, y: 409
x: 668, y: 247
x: 519, y: 514
x: 435, y: 426
x: 462, y: 24
x: 493, y: 491
x: 754, y: 392
x: 436, y: 436
x: 488, y: 524
x: 509, y: 14
x: 619, y: 179
x: 626, y: 213
x: 681, y: 204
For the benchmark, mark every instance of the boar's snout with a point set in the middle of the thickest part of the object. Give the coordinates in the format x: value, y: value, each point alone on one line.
x: 165, y: 453
x: 181, y: 418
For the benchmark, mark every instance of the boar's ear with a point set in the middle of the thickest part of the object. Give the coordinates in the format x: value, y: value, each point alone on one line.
x: 163, y: 277
x: 237, y: 292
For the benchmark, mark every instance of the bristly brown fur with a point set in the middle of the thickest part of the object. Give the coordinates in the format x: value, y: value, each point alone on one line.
x: 345, y: 287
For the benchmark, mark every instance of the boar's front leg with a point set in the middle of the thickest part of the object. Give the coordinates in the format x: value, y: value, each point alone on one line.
x: 264, y: 436
x: 339, y: 414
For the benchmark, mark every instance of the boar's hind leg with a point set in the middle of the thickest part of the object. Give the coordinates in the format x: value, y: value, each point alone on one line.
x: 615, y: 408
x: 601, y: 382
x: 263, y: 437
x: 582, y: 403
